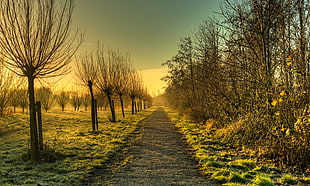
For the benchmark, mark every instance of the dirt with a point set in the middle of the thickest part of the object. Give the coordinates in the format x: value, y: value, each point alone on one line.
x: 158, y: 157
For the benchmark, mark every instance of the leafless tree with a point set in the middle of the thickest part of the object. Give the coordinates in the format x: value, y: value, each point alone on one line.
x: 7, y: 89
x: 107, y: 75
x: 86, y: 71
x: 85, y: 101
x: 36, y: 42
x: 76, y: 100
x: 134, y: 89
x: 62, y: 99
x: 123, y: 69
x: 14, y: 100
x: 23, y: 98
x: 45, y: 95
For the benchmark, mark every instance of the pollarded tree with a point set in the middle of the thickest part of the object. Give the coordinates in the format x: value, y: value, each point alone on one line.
x: 107, y: 76
x: 62, y: 99
x: 45, y: 95
x: 36, y: 41
x: 76, y: 101
x: 86, y: 71
x: 14, y: 100
x: 134, y: 87
x: 85, y: 101
x: 123, y: 69
x: 22, y: 98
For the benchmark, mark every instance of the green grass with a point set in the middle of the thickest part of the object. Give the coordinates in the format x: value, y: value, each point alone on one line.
x: 228, y: 165
x: 74, y: 150
x: 288, y: 179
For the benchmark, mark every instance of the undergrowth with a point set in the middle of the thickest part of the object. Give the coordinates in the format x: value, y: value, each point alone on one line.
x: 71, y: 151
x: 230, y: 164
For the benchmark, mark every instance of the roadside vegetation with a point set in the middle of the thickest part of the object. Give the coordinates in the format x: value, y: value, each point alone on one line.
x: 229, y: 164
x: 72, y: 151
x: 246, y: 70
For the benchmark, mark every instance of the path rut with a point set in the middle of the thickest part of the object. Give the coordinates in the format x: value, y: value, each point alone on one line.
x: 158, y: 157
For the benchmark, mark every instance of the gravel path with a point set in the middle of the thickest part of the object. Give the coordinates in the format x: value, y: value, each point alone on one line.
x: 157, y: 157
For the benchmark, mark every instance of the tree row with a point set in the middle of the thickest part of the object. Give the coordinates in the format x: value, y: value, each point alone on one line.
x: 249, y: 72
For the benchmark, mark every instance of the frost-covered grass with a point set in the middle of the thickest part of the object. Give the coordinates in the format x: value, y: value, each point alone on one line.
x: 69, y: 141
x: 229, y: 165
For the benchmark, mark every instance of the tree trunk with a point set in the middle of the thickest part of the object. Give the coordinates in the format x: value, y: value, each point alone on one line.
x: 136, y: 109
x: 122, y: 104
x: 112, y: 108
x: 96, y: 115
x: 132, y: 105
x: 34, y: 141
x: 93, y: 116
x: 40, y: 129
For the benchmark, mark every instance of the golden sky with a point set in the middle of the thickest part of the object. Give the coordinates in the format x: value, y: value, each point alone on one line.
x: 149, y: 29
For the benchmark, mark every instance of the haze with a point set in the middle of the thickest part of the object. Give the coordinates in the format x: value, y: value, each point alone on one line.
x: 149, y: 30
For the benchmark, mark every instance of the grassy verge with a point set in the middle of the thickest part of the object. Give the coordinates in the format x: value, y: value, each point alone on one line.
x: 229, y: 165
x: 71, y: 148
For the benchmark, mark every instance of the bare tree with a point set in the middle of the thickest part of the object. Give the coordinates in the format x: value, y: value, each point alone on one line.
x: 36, y: 41
x: 85, y: 101
x: 107, y: 76
x: 86, y: 71
x: 76, y: 101
x: 22, y: 97
x: 62, y: 99
x: 14, y: 101
x: 7, y: 86
x: 134, y: 88
x: 45, y: 95
x: 123, y: 69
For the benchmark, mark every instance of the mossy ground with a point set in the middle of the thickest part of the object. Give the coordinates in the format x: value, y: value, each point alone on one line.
x: 231, y: 165
x: 74, y: 151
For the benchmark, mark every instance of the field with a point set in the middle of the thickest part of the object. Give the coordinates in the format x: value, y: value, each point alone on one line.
x: 72, y: 150
x: 229, y: 164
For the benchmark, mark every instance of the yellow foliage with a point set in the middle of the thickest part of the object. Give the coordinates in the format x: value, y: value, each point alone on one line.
x: 289, y: 63
x: 274, y: 102
x: 282, y: 93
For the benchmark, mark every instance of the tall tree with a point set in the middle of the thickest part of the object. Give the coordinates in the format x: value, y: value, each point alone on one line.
x: 123, y: 68
x: 107, y: 76
x: 86, y: 71
x: 36, y: 42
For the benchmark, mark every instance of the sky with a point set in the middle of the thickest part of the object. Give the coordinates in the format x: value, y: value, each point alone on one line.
x: 149, y: 29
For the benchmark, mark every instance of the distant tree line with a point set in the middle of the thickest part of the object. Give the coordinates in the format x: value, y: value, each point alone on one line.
x: 249, y: 71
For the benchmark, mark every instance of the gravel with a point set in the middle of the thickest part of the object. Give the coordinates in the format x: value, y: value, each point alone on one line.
x: 158, y: 157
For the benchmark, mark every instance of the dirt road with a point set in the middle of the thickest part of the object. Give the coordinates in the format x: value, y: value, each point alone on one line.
x: 158, y: 157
